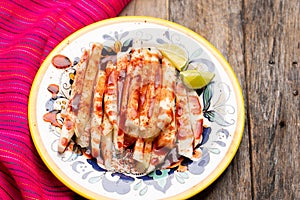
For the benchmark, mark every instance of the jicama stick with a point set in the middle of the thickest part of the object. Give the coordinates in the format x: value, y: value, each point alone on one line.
x: 124, y: 100
x: 132, y: 114
x: 106, y: 143
x: 97, y: 114
x: 87, y: 92
x: 111, y: 99
x: 147, y: 154
x: 167, y: 102
x: 146, y: 89
x: 149, y: 94
x: 85, y: 137
x: 142, y: 155
x: 66, y: 134
x: 122, y: 63
x: 164, y: 143
x: 152, y: 126
x: 138, y: 150
x: 70, y: 115
x: 185, y: 134
x: 196, y: 115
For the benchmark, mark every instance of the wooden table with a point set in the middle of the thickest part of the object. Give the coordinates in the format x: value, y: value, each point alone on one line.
x: 261, y: 41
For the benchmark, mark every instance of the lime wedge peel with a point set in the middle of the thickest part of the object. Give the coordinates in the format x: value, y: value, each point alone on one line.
x: 192, y: 78
x: 176, y: 55
x: 195, y: 79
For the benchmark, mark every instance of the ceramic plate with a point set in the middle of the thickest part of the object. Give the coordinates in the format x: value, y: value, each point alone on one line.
x: 222, y: 105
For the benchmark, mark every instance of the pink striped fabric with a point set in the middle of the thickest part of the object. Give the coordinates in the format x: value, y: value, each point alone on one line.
x: 29, y: 30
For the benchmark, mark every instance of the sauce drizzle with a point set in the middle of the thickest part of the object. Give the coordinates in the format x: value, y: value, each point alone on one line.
x: 61, y: 62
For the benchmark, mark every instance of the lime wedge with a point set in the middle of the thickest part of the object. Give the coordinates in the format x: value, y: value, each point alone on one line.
x: 195, y: 79
x: 175, y: 54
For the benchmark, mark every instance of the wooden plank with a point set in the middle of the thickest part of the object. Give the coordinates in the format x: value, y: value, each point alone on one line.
x: 153, y: 8
x: 273, y: 77
x: 220, y: 22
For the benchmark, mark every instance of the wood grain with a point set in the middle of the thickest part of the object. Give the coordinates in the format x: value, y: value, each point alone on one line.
x: 152, y: 8
x: 271, y: 57
x: 261, y: 41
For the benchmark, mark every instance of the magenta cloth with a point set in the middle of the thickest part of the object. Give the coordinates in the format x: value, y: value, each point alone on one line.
x: 29, y: 30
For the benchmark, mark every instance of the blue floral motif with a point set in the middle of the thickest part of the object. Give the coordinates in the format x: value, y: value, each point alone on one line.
x: 171, y: 38
x: 214, y: 115
x: 119, y: 45
x: 69, y: 157
x: 120, y: 186
x: 95, y: 166
x: 161, y: 179
x: 181, y: 177
x: 205, y: 135
x: 198, y: 167
x: 224, y: 132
